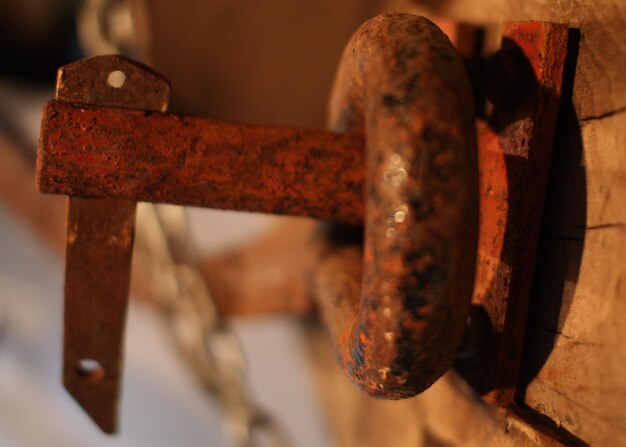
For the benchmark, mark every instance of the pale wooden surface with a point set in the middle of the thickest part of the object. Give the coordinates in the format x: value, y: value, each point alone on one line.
x: 582, y: 385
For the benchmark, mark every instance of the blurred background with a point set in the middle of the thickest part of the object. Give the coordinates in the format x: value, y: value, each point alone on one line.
x: 267, y: 62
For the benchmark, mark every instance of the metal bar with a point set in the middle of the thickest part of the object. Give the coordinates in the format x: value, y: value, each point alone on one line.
x: 154, y: 157
x: 97, y: 275
x: 99, y: 246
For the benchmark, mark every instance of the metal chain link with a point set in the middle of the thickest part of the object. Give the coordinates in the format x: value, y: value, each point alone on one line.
x: 164, y: 249
x: 202, y: 336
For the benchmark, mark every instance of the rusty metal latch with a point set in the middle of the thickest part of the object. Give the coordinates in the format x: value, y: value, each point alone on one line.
x: 99, y: 245
x: 402, y: 157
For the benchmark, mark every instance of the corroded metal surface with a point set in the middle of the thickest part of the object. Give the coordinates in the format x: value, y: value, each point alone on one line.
x: 87, y: 82
x: 514, y: 150
x: 154, y: 157
x: 97, y: 275
x: 402, y: 83
x: 99, y: 247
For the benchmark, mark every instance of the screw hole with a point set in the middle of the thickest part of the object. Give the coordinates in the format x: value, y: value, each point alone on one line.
x: 90, y: 369
x: 116, y: 79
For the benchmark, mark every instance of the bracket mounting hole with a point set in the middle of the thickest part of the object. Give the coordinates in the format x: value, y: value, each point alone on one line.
x: 116, y: 79
x: 90, y: 369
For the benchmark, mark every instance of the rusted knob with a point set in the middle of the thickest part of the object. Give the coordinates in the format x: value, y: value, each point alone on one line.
x: 398, y: 323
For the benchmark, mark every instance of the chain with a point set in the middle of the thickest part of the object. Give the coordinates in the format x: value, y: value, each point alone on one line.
x: 202, y: 336
x: 164, y: 249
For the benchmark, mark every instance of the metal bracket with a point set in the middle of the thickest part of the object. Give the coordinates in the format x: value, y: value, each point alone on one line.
x: 100, y: 234
x: 515, y: 150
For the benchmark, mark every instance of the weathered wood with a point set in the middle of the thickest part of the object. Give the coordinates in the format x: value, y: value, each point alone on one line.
x: 575, y: 344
